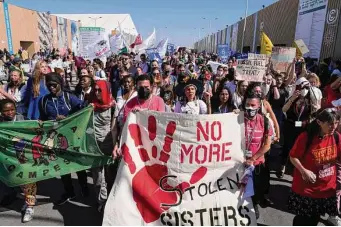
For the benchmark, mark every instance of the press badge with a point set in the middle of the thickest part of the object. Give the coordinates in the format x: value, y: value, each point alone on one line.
x: 298, y: 124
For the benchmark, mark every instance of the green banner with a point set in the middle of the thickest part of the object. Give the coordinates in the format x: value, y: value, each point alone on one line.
x: 31, y: 151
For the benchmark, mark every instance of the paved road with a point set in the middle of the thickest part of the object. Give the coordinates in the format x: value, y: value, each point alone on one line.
x: 83, y: 211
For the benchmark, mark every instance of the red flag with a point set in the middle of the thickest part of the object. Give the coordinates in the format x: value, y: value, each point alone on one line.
x: 138, y: 41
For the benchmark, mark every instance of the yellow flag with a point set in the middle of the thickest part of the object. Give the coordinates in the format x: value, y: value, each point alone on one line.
x: 266, y: 44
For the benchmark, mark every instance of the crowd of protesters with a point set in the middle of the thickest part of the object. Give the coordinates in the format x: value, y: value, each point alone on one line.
x: 297, y: 111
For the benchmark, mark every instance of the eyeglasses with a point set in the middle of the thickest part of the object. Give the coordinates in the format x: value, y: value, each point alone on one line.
x: 156, y: 74
x: 98, y: 90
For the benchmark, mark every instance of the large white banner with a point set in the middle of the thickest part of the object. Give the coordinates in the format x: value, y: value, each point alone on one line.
x: 90, y: 38
x: 310, y: 24
x: 180, y: 170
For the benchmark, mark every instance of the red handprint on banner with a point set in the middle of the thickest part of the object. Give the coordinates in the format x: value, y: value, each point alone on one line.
x: 149, y: 183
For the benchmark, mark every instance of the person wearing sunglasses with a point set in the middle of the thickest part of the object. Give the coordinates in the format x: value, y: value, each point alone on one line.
x: 316, y: 156
x: 57, y: 106
x: 127, y: 63
x: 157, y: 81
x: 102, y: 101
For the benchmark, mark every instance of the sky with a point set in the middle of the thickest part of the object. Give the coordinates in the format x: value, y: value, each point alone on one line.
x: 178, y: 20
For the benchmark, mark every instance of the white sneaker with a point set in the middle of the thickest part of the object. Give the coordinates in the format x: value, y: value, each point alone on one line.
x: 28, y: 216
x: 334, y: 220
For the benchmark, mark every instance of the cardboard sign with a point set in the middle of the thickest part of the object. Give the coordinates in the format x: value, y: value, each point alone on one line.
x: 282, y: 57
x: 253, y: 56
x: 301, y: 48
x: 178, y: 170
x: 251, y: 70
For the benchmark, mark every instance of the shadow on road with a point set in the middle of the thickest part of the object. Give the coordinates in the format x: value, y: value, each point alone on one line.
x: 81, y: 211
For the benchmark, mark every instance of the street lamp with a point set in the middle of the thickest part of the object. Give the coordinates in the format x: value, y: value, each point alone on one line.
x: 247, y: 6
x: 95, y: 18
x: 209, y: 23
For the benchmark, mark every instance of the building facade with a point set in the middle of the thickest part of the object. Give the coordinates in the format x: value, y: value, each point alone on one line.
x: 33, y: 30
x: 284, y: 22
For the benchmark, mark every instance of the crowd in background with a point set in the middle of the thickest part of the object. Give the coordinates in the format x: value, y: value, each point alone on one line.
x: 295, y: 111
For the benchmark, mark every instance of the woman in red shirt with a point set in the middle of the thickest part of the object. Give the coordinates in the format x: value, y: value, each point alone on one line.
x: 314, y: 181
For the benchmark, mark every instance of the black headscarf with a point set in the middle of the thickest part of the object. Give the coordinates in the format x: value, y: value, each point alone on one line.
x: 54, y: 77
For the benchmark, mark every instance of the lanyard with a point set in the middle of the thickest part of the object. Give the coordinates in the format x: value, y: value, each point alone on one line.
x: 150, y: 101
x: 55, y: 106
x: 302, y: 109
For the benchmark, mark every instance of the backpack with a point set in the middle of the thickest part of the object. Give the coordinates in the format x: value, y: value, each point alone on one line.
x: 66, y: 97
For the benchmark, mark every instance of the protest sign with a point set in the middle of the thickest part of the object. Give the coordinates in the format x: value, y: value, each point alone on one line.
x: 224, y: 52
x: 282, y: 57
x: 253, y: 56
x: 89, y: 36
x: 33, y: 151
x: 180, y: 170
x: 251, y: 70
x: 153, y: 54
x: 301, y: 48
x: 170, y: 49
x: 98, y: 49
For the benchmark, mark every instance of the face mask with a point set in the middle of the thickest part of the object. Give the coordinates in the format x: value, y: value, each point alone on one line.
x: 251, y: 112
x: 167, y: 96
x: 219, y: 73
x: 143, y: 93
x: 304, y: 92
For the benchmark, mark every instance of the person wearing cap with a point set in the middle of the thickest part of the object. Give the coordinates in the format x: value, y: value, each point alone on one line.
x: 190, y: 104
x: 299, y: 109
x: 57, y: 106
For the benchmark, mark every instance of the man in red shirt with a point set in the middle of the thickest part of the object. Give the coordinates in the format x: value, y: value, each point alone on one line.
x: 257, y: 142
x: 144, y: 100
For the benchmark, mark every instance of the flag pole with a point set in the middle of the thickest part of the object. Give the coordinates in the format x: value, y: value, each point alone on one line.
x: 247, y: 7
